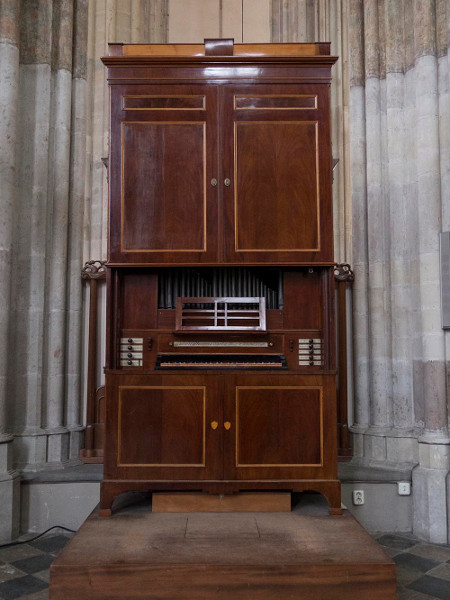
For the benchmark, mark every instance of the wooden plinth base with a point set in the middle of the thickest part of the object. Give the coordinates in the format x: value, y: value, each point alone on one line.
x: 139, y: 554
x: 189, y: 502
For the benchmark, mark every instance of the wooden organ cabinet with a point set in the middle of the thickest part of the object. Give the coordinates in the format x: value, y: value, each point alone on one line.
x: 220, y: 373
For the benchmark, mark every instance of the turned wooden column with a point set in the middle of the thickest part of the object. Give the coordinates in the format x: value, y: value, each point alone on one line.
x: 93, y: 271
x: 343, y: 276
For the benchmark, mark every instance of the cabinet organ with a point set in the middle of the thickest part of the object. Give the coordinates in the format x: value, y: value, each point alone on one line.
x: 220, y: 371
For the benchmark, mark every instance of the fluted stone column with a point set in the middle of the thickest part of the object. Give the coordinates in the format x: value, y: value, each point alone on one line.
x: 44, y: 361
x: 9, y: 76
x: 399, y: 115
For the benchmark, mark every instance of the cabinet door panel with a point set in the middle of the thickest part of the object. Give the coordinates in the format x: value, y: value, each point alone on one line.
x: 163, y: 208
x: 163, y: 187
x: 277, y: 190
x: 278, y: 426
x: 163, y: 427
x: 276, y: 142
x: 281, y: 427
x: 153, y: 421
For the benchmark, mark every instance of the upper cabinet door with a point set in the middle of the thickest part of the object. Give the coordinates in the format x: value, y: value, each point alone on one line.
x: 163, y: 204
x: 277, y: 164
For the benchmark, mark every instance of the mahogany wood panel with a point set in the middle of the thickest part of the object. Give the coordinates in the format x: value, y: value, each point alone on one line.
x: 276, y: 179
x: 139, y: 300
x: 277, y: 556
x: 278, y: 426
x: 153, y: 421
x: 163, y: 205
x: 303, y: 300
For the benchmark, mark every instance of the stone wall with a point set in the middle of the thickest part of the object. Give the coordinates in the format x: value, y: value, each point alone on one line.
x: 399, y: 116
x: 42, y: 136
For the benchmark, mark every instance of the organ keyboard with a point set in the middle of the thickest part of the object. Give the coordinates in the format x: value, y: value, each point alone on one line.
x: 219, y: 362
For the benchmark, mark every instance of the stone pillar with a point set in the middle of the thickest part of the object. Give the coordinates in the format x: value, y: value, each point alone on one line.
x: 9, y: 75
x: 45, y: 315
x: 400, y: 120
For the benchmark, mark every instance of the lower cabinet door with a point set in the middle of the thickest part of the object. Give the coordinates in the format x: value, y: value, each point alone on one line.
x: 162, y: 427
x: 280, y: 427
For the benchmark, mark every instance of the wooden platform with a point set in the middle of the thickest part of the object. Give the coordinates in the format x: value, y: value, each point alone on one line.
x: 306, y: 554
x: 191, y: 502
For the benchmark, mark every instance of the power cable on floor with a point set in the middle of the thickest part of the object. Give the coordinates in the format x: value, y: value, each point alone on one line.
x: 36, y: 537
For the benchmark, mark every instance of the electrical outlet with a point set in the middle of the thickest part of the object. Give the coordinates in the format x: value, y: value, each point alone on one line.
x: 358, y: 497
x: 404, y: 488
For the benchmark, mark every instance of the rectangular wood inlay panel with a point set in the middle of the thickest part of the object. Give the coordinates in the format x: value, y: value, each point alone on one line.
x: 153, y: 425
x: 276, y: 186
x: 278, y: 426
x: 163, y: 205
x: 163, y: 103
x: 276, y: 102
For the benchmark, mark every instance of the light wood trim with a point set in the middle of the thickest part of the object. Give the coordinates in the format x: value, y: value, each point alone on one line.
x: 239, y: 50
x: 236, y: 249
x: 122, y: 194
x: 160, y: 387
x: 279, y: 387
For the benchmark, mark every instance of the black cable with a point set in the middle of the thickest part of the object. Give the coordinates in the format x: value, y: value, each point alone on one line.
x: 36, y: 537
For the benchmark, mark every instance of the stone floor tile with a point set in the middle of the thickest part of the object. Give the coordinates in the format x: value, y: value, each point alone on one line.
x: 391, y: 551
x: 52, y: 543
x: 9, y: 555
x: 433, y: 586
x: 34, y: 564
x: 442, y: 571
x: 21, y: 586
x: 396, y: 541
x: 411, y: 561
x: 406, y: 594
x: 439, y: 553
x: 406, y: 576
x: 8, y: 572
x: 44, y: 575
x: 39, y: 596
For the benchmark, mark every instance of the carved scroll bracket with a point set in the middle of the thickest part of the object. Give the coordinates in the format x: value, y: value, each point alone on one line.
x: 344, y: 272
x: 94, y: 269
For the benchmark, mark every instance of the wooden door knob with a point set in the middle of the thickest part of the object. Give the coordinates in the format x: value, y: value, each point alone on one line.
x: 214, y: 424
x: 227, y: 425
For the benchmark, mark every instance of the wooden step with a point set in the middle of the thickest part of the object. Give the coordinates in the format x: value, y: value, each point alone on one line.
x: 138, y: 554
